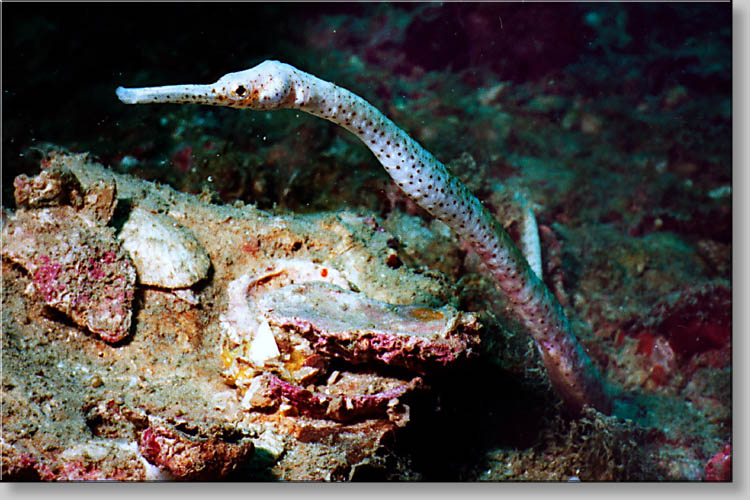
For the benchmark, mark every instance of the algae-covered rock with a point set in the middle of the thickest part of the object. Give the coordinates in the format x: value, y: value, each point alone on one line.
x: 59, y: 235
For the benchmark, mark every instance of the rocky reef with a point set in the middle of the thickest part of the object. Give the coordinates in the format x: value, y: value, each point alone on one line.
x: 314, y: 334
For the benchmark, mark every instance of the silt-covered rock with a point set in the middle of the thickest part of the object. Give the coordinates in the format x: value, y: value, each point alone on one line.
x: 59, y: 235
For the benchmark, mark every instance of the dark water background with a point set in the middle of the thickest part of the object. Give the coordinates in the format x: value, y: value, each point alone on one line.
x: 62, y: 61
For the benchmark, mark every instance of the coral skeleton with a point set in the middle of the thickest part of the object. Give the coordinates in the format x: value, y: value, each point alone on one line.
x: 275, y: 85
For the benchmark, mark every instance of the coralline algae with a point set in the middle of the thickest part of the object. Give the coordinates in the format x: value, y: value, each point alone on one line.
x: 348, y: 325
x: 76, y: 264
x: 192, y: 458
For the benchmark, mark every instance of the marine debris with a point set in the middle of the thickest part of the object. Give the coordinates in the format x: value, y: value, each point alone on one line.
x: 275, y: 85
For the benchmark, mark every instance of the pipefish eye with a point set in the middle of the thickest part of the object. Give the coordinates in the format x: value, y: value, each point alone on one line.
x: 240, y: 90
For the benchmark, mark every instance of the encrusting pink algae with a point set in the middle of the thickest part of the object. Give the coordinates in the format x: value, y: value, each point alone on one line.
x: 60, y: 237
x: 276, y: 85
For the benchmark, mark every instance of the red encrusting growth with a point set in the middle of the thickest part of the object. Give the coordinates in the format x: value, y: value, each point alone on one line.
x: 694, y: 321
x: 719, y: 468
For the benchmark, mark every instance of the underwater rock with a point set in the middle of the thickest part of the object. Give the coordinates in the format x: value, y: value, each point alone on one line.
x: 283, y: 327
x: 52, y: 187
x: 100, y: 201
x: 348, y: 325
x: 360, y: 451
x: 193, y: 458
x: 77, y: 265
x: 349, y: 398
x: 165, y: 253
x: 58, y: 186
x: 85, y: 462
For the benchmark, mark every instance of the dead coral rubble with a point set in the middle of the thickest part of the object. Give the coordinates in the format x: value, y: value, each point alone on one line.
x: 294, y: 319
x: 192, y: 457
x: 345, y: 401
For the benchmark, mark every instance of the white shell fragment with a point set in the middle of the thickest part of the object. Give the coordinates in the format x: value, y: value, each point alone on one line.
x: 263, y: 347
x: 165, y: 253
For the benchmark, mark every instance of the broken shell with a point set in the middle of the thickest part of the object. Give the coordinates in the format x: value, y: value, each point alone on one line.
x: 264, y: 346
x: 165, y: 253
x: 244, y: 327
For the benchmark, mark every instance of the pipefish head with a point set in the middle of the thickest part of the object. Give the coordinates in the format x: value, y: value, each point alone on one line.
x: 265, y: 86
